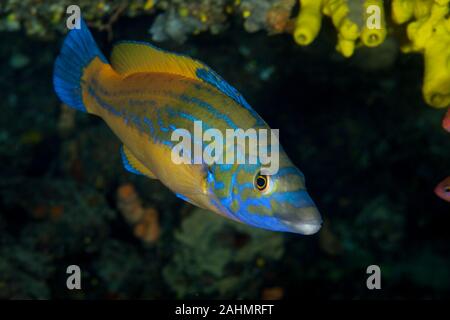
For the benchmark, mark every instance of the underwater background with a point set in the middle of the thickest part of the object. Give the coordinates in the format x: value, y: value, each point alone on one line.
x: 370, y: 147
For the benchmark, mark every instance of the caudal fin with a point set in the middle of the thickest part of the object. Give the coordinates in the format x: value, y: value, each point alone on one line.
x: 78, y: 50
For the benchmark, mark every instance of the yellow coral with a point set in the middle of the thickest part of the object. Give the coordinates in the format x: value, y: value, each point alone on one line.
x: 356, y: 20
x: 345, y: 46
x: 430, y: 35
x: 402, y: 10
x: 348, y: 30
x: 308, y: 21
x: 422, y: 8
x: 374, y: 30
x: 149, y: 4
x: 363, y: 22
x: 436, y: 84
x: 420, y: 31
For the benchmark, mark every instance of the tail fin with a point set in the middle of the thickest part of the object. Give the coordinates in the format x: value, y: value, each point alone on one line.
x: 78, y: 50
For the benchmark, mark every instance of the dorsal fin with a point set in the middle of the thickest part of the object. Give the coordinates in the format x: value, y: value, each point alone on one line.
x: 130, y: 57
x: 211, y: 77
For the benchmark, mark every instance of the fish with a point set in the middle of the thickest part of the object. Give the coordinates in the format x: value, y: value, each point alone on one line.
x: 145, y: 93
x: 442, y: 190
x: 446, y: 121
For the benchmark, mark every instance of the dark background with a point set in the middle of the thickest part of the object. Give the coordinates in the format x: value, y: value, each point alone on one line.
x: 372, y: 152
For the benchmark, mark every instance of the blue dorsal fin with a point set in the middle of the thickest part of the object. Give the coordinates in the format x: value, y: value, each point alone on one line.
x: 211, y: 77
x: 133, y: 165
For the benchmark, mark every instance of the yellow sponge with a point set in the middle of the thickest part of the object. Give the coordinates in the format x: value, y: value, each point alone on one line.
x: 308, y: 21
x: 373, y: 32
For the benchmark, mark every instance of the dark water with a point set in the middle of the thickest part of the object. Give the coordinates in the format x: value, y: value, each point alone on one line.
x: 371, y: 150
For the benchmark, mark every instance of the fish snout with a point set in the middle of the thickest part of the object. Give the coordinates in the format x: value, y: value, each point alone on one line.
x: 305, y: 221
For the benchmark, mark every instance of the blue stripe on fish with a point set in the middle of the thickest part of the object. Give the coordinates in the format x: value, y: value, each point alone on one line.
x: 219, y: 185
x: 225, y: 166
x: 104, y: 104
x: 289, y: 170
x: 217, y: 81
x: 149, y: 124
x: 203, y: 104
x: 127, y: 164
x: 211, y: 77
x: 297, y: 199
x: 174, y: 113
x: 160, y: 122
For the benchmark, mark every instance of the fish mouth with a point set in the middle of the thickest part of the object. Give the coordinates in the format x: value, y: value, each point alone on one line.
x: 307, y: 221
x: 306, y: 228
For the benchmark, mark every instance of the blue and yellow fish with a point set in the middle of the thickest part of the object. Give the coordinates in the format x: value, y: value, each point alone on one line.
x: 145, y: 93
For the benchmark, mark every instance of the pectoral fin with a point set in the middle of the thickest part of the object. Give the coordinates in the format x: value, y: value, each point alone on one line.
x: 133, y: 165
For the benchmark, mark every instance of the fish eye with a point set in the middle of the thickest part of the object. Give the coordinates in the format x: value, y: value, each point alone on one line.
x: 261, y: 182
x: 447, y: 189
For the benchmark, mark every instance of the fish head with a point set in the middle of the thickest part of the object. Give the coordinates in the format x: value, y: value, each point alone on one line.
x: 442, y: 190
x: 278, y: 202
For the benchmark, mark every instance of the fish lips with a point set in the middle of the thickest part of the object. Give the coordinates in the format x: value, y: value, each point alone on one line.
x: 300, y: 214
x: 306, y: 221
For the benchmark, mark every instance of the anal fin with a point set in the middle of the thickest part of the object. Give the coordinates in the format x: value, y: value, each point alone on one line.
x: 133, y: 165
x: 187, y: 199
